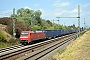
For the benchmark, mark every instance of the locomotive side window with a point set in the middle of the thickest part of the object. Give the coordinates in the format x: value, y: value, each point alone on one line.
x: 24, y: 34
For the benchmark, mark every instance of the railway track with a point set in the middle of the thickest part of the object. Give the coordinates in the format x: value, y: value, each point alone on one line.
x: 40, y: 53
x: 4, y: 50
x: 24, y: 50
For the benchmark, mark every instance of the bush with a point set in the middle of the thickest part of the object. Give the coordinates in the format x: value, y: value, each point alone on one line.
x: 19, y: 26
x: 13, y: 41
x: 5, y: 21
x: 2, y: 37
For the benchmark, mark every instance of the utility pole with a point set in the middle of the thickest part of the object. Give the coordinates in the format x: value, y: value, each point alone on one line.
x: 53, y: 24
x: 14, y: 23
x: 78, y: 20
x: 84, y: 23
x: 31, y: 22
x: 58, y: 19
x: 64, y: 23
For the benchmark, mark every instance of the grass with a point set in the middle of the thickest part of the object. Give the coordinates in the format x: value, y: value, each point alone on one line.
x: 61, y: 51
x: 11, y: 42
x: 3, y: 45
x: 79, y: 49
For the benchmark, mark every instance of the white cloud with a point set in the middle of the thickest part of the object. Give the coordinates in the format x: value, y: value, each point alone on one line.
x: 88, y: 12
x: 65, y: 4
x: 27, y: 7
x: 45, y: 13
x: 63, y: 12
x: 74, y: 11
x: 58, y: 3
x: 86, y: 5
x: 70, y: 11
x: 59, y: 12
x: 36, y: 5
x: 6, y: 13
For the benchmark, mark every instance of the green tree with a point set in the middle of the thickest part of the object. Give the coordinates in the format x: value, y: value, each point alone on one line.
x: 37, y: 16
x: 32, y: 19
x: 2, y: 37
x: 50, y: 23
x: 29, y: 17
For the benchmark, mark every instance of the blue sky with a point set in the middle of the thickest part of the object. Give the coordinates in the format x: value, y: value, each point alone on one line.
x: 51, y: 9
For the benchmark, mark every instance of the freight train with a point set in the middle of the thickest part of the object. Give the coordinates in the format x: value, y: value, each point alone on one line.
x: 27, y: 37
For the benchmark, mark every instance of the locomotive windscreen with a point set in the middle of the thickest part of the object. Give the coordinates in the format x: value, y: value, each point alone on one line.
x: 24, y: 34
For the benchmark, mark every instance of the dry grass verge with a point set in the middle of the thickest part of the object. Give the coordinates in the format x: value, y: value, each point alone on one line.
x: 79, y: 49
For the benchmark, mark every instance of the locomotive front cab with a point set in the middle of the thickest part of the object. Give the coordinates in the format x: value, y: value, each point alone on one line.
x: 25, y: 37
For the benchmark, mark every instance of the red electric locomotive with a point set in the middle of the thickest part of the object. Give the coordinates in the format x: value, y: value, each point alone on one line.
x: 29, y: 36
